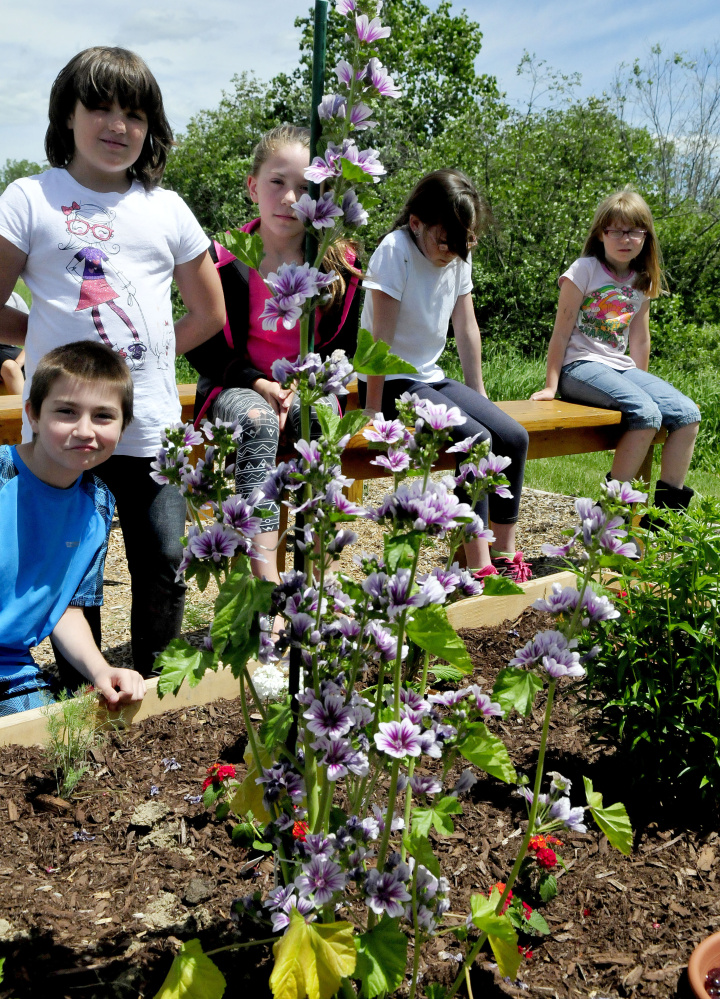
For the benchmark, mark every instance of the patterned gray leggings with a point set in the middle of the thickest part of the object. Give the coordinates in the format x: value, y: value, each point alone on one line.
x: 259, y: 443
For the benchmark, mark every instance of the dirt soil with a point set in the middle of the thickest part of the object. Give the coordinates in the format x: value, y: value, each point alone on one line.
x: 96, y: 894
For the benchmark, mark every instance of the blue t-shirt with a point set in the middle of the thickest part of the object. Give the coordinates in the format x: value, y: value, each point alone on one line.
x: 52, y: 555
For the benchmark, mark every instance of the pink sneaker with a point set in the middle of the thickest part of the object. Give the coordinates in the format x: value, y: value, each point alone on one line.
x: 516, y: 568
x: 487, y: 570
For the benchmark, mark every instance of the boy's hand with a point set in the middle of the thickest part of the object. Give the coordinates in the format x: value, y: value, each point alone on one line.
x: 544, y: 395
x: 130, y: 684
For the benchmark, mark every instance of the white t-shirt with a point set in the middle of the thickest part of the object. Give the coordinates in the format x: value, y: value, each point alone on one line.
x: 603, y: 322
x: 100, y: 266
x: 427, y: 296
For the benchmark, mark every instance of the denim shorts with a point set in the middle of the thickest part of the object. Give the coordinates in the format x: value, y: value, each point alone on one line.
x: 645, y: 400
x: 24, y: 702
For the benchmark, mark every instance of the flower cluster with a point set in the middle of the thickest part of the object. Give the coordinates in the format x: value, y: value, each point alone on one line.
x: 217, y: 774
x: 554, y: 809
x: 601, y: 526
x: 542, y: 849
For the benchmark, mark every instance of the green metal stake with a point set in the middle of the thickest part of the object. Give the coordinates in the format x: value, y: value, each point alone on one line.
x: 306, y: 343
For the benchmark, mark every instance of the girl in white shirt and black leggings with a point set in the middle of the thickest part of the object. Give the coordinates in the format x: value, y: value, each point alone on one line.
x: 419, y: 279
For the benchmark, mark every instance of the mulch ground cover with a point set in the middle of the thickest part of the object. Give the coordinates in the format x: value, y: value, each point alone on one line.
x: 96, y: 894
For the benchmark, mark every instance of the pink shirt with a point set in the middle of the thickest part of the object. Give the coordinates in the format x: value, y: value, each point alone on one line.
x: 266, y: 346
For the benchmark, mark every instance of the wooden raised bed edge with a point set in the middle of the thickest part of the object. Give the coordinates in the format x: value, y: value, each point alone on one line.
x: 27, y: 728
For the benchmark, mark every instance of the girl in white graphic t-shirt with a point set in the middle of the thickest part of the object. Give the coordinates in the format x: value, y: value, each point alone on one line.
x: 98, y: 243
x: 600, y: 348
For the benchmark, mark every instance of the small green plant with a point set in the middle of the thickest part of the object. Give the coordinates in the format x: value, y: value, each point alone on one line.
x: 72, y: 733
x: 658, y: 673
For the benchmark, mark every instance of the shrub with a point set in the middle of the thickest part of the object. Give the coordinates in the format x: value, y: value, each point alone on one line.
x: 659, y: 669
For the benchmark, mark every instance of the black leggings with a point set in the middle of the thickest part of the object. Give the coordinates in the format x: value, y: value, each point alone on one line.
x: 507, y: 437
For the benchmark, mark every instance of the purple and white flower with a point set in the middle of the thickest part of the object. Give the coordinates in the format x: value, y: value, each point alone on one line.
x: 355, y: 214
x: 385, y: 893
x: 398, y: 739
x: 378, y: 77
x: 320, y: 213
x: 217, y: 541
x: 329, y: 717
x: 370, y: 31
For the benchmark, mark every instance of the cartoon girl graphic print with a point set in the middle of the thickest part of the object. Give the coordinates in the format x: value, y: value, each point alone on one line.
x: 91, y: 225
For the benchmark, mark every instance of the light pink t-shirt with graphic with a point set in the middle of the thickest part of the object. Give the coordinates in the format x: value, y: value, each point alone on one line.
x: 603, y: 323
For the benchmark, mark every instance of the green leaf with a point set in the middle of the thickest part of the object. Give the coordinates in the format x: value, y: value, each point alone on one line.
x: 507, y: 956
x: 500, y: 586
x: 537, y: 923
x: 381, y: 958
x: 246, y: 246
x: 374, y: 358
x: 192, y: 976
x: 352, y: 422
x: 240, y: 600
x: 613, y: 820
x: 243, y: 833
x: 260, y: 844
x: 516, y: 688
x: 354, y: 173
x: 547, y: 887
x: 2, y: 964
x: 418, y: 845
x: 330, y: 423
x: 181, y: 661
x: 274, y: 730
x: 450, y: 674
x: 400, y: 550
x: 486, y: 919
x: 222, y: 811
x: 438, y: 816
x: 312, y: 959
x: 431, y: 630
x: 487, y: 752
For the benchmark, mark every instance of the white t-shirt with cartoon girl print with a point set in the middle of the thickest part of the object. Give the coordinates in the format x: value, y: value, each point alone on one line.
x: 100, y: 267
x: 609, y: 306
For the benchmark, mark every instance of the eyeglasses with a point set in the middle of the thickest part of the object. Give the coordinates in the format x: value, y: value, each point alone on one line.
x: 636, y: 235
x: 79, y: 227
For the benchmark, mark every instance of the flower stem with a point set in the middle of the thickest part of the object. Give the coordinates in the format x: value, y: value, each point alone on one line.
x: 395, y: 767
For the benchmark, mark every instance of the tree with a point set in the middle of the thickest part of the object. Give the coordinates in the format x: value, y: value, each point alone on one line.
x: 14, y: 169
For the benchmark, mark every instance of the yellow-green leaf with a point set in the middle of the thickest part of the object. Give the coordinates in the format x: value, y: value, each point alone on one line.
x: 311, y: 959
x: 507, y: 955
x: 249, y: 795
x: 192, y: 976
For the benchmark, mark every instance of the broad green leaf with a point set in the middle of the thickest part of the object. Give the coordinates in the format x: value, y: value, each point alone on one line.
x: 507, y: 956
x: 438, y: 816
x: 500, y: 586
x: 330, y: 422
x: 311, y: 959
x: 400, y: 550
x: 487, y: 752
x: 248, y: 796
x: 381, y: 958
x: 431, y: 630
x: 352, y: 422
x: 516, y: 688
x: 538, y: 923
x: 486, y: 919
x: 181, y: 661
x: 419, y: 846
x: 240, y: 599
x: 201, y: 572
x: 374, y: 358
x: 192, y: 976
x: 547, y: 888
x: 354, y: 173
x: 246, y: 246
x: 276, y: 726
x: 448, y: 673
x: 613, y: 820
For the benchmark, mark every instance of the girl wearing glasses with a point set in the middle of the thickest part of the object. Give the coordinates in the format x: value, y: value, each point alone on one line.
x: 600, y: 346
x: 419, y: 279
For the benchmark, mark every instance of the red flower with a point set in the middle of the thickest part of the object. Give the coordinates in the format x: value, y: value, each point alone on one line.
x: 527, y: 910
x: 546, y: 858
x: 218, y: 773
x: 300, y: 830
x: 500, y: 885
x: 526, y: 952
x: 537, y: 843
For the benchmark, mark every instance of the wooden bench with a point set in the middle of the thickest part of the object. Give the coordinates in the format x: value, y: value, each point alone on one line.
x: 556, y: 428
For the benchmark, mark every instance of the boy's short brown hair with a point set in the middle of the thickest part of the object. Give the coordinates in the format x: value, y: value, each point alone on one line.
x: 88, y: 362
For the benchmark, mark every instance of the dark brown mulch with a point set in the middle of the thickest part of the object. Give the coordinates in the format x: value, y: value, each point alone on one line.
x: 102, y: 917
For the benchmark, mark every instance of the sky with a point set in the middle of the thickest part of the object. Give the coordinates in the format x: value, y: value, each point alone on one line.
x: 194, y: 57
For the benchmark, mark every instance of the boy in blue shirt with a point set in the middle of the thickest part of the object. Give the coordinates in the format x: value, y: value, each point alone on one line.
x: 55, y: 518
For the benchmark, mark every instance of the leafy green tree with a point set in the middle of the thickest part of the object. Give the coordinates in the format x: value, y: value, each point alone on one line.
x: 14, y: 169
x: 210, y: 163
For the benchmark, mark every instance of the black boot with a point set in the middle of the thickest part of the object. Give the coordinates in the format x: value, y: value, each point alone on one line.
x: 667, y: 498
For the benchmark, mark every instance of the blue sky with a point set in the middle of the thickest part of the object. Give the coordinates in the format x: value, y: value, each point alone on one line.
x: 194, y: 56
